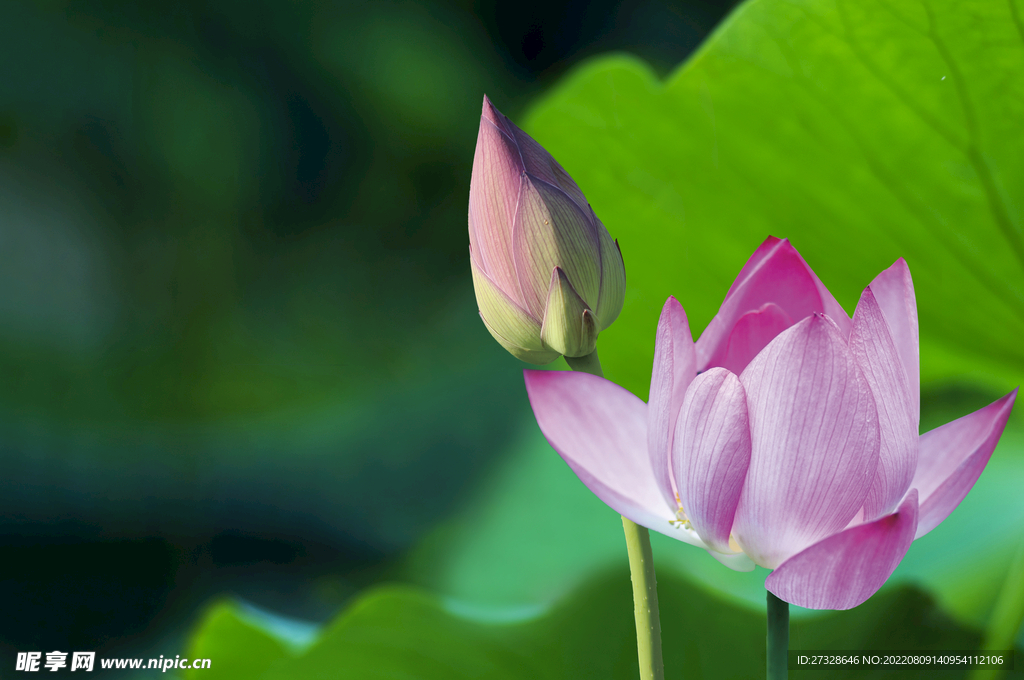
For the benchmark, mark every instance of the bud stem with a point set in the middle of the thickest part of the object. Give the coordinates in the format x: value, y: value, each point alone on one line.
x: 641, y: 569
x: 587, y: 364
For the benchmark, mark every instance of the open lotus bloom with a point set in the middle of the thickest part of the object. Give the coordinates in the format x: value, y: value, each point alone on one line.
x: 547, y: 275
x: 786, y: 436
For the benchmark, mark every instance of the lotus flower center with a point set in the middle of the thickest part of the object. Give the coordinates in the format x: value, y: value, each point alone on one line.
x: 681, y: 521
x: 734, y: 544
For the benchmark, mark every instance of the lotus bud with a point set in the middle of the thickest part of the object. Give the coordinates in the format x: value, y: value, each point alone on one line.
x: 547, y: 275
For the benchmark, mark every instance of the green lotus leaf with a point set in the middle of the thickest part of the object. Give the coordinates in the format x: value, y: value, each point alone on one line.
x: 400, y: 631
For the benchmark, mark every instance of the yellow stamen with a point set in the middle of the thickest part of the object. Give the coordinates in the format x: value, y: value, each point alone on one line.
x: 734, y: 544
x: 681, y: 521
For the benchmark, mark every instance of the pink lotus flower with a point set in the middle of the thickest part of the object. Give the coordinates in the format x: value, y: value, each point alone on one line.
x: 786, y: 436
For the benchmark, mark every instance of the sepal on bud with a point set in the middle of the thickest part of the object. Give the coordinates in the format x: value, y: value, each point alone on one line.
x: 511, y: 326
x: 569, y: 326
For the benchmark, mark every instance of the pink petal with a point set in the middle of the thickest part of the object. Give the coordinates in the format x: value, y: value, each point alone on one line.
x: 493, y: 193
x: 535, y: 158
x: 768, y: 249
x: 847, y: 568
x: 872, y: 345
x: 711, y: 454
x: 776, y: 274
x: 600, y: 430
x: 894, y: 291
x: 752, y: 333
x: 491, y: 114
x: 674, y: 368
x: 814, y: 442
x: 952, y: 458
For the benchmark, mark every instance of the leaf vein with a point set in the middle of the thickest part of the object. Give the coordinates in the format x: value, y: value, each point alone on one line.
x: 996, y: 206
x: 1016, y: 19
x: 889, y: 182
x: 894, y: 88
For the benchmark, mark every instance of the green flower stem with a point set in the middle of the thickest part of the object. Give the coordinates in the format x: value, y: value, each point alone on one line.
x: 588, y: 364
x: 778, y: 638
x: 1006, y: 617
x: 641, y: 569
x: 645, y: 601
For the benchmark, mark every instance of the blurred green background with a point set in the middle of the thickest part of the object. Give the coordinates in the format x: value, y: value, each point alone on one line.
x: 244, y: 390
